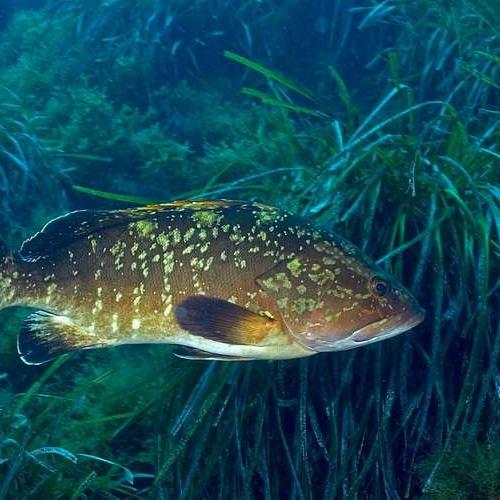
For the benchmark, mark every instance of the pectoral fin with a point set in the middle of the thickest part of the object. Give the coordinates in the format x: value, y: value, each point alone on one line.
x: 223, y: 321
x: 45, y: 336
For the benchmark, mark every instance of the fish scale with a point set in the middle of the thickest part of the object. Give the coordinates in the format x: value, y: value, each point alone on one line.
x: 231, y: 279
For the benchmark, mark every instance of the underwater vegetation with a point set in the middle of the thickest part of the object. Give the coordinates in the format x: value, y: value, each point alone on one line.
x: 378, y: 119
x: 467, y: 472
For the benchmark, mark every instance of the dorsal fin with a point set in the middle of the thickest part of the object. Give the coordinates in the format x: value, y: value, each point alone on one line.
x: 68, y: 228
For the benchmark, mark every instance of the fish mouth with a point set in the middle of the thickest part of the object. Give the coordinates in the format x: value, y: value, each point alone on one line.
x: 387, y: 327
x: 373, y: 332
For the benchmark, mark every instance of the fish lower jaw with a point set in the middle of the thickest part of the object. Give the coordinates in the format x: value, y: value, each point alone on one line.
x: 351, y: 343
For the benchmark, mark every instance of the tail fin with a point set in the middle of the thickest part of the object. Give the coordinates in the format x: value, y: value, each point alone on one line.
x: 45, y: 336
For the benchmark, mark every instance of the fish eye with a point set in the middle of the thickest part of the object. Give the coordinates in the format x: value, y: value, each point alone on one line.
x: 379, y: 286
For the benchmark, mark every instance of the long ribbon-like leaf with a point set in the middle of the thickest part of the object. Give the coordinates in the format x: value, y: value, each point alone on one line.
x: 271, y: 74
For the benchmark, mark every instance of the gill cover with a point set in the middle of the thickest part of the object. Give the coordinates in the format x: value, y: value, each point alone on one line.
x: 298, y: 286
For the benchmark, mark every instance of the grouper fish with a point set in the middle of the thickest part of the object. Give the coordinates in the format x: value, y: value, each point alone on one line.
x: 225, y: 280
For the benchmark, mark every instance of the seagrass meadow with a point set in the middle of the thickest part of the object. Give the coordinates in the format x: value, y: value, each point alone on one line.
x: 379, y: 120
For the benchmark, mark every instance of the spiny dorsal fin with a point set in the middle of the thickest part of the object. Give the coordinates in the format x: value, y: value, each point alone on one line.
x: 191, y: 204
x: 69, y: 228
x: 220, y: 320
x: 45, y: 336
x: 66, y: 229
x: 197, y: 354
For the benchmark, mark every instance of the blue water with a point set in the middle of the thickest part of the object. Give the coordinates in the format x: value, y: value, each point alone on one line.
x: 375, y: 119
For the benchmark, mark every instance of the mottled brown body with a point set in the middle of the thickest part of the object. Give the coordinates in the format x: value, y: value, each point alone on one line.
x: 119, y: 277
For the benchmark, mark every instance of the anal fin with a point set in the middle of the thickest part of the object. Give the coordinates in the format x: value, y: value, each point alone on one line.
x: 45, y: 336
x: 198, y: 354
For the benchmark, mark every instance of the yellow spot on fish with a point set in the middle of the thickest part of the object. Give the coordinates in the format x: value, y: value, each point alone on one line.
x: 208, y: 263
x: 266, y: 314
x: 282, y: 303
x: 163, y: 240
x: 240, y: 263
x: 144, y: 227
x: 188, y: 234
x: 176, y: 235
x: 282, y: 278
x: 136, y: 324
x: 302, y: 305
x: 168, y: 263
x: 350, y: 307
x: 206, y: 217
x: 294, y: 266
x: 114, y: 323
x: 265, y: 215
x: 236, y: 235
x: 329, y: 261
x: 97, y: 307
x: 118, y: 251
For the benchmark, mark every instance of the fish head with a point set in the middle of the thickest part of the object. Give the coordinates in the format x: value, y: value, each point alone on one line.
x: 342, y: 300
x: 370, y: 306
